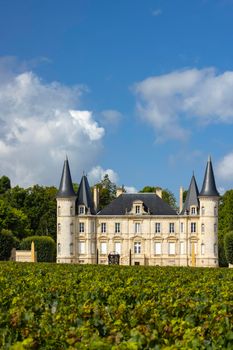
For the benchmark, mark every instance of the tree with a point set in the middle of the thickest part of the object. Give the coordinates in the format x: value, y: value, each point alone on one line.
x: 167, y: 195
x: 14, y: 219
x: 225, y: 223
x: 228, y: 245
x: 7, y: 242
x: 107, y: 191
x: 5, y: 184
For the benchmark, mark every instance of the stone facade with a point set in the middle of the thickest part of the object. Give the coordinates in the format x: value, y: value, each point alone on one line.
x: 141, y: 235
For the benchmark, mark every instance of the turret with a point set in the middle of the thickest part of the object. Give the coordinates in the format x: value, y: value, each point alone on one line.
x: 84, y: 203
x: 191, y: 204
x: 209, y: 198
x: 66, y: 217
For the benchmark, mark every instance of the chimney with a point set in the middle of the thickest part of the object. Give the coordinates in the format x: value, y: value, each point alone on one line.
x: 96, y: 197
x: 181, y: 198
x: 159, y: 192
x: 119, y: 191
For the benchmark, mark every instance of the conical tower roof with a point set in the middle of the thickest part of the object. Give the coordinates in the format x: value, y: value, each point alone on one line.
x: 192, y: 196
x: 84, y: 195
x: 209, y: 186
x: 66, y: 186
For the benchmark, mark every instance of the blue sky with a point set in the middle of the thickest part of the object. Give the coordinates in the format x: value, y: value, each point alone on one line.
x: 142, y: 90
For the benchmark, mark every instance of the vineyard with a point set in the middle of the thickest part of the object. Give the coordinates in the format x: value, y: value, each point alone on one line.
x: 49, y: 306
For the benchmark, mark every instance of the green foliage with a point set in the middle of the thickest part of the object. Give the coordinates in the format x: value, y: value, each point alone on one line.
x: 14, y: 219
x: 45, y: 247
x: 167, y: 195
x: 38, y: 204
x: 225, y: 219
x: 7, y: 242
x: 5, y: 184
x: 221, y: 253
x: 48, y: 306
x: 107, y: 192
x: 228, y: 244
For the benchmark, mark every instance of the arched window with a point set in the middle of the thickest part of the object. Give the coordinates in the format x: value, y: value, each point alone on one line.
x: 58, y: 210
x: 202, y: 210
x: 202, y: 228
x: 59, y: 248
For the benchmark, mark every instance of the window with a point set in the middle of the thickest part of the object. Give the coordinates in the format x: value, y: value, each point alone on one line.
x: 117, y: 227
x: 193, y: 210
x: 118, y: 247
x: 103, y: 227
x: 171, y: 248
x: 137, y: 227
x: 81, y: 209
x: 202, y: 249
x: 182, y: 248
x: 71, y: 228
x: 59, y: 210
x: 215, y: 211
x: 215, y: 228
x: 103, y: 247
x: 137, y: 209
x: 59, y: 248
x: 215, y: 249
x: 81, y: 227
x: 193, y: 227
x: 71, y: 249
x: 157, y: 227
x: 92, y: 247
x: 158, y: 248
x: 202, y: 228
x: 181, y: 227
x: 82, y: 247
x: 59, y: 228
x: 171, y: 227
x: 193, y: 246
x: 137, y: 247
x: 202, y: 210
x: 71, y: 210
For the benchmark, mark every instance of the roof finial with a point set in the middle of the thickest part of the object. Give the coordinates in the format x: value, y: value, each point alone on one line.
x: 209, y: 158
x: 66, y: 157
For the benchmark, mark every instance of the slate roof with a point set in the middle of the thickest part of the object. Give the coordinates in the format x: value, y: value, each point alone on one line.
x: 84, y: 195
x: 66, y: 186
x: 209, y: 186
x: 152, y: 204
x: 192, y: 196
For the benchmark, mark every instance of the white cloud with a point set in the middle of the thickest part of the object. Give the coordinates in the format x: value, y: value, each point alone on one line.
x: 168, y: 101
x: 225, y: 167
x: 157, y: 12
x: 130, y: 189
x: 96, y: 174
x: 39, y: 124
x: 110, y: 117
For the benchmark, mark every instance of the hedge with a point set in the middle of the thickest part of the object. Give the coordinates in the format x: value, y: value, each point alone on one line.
x: 228, y: 245
x: 44, y: 245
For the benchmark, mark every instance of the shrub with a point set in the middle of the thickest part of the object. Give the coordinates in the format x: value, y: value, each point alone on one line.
x: 44, y: 246
x: 228, y: 245
x: 7, y: 242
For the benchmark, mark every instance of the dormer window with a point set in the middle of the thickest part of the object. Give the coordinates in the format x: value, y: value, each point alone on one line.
x: 81, y: 209
x: 193, y: 210
x: 137, y: 209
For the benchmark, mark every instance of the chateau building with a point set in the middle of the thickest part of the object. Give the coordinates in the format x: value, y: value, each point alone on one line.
x: 137, y: 229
